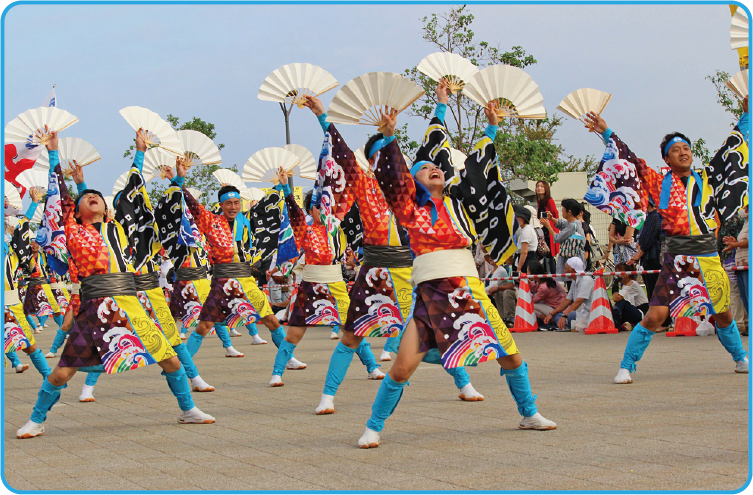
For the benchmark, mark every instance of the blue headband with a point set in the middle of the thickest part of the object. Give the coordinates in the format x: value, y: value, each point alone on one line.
x: 378, y: 145
x: 417, y: 166
x: 229, y: 195
x: 674, y: 140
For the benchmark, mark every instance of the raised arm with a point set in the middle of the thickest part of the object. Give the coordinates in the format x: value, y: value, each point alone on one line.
x: 396, y: 182
x: 436, y: 145
x: 201, y: 216
x: 295, y: 213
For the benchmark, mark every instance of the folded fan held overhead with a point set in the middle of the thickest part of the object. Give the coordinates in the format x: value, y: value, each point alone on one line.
x: 451, y: 67
x: 293, y: 82
x: 515, y: 91
x: 583, y: 101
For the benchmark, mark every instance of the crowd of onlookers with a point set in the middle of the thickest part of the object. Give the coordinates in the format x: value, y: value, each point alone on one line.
x: 562, y: 243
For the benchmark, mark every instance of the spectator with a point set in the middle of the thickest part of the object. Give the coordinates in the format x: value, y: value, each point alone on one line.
x: 545, y: 204
x: 505, y: 297
x: 621, y: 240
x: 546, y: 293
x: 278, y: 290
x: 577, y: 304
x: 631, y: 303
x: 741, y: 257
x: 350, y: 267
x: 528, y: 241
x: 484, y: 267
x: 570, y: 235
x: 585, y: 221
x: 649, y: 248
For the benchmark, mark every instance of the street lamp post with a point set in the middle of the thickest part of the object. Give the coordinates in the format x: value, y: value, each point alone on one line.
x: 286, y: 112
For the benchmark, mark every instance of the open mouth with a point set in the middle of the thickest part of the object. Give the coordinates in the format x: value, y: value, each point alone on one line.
x: 434, y: 175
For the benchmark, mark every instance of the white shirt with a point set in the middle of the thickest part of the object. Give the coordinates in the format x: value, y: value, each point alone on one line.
x: 528, y: 234
x: 634, y: 294
x: 163, y: 269
x: 497, y: 277
x: 582, y: 288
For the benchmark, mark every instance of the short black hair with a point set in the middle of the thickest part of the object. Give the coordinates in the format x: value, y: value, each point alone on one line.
x: 669, y: 137
x: 226, y: 189
x: 373, y: 139
x: 572, y: 206
x: 537, y: 268
x: 307, y: 200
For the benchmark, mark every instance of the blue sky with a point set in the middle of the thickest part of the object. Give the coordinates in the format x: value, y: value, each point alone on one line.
x: 209, y: 61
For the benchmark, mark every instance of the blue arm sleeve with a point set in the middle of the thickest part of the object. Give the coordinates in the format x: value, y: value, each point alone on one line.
x: 607, y: 134
x: 491, y: 131
x: 440, y: 111
x: 54, y: 160
x: 388, y: 140
x: 32, y: 209
x: 744, y: 125
x: 81, y: 188
x: 323, y: 121
x: 138, y: 160
x: 285, y: 188
x: 178, y: 181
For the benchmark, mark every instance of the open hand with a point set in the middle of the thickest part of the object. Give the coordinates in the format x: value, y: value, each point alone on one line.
x: 491, y: 112
x: 443, y: 92
x: 77, y: 174
x: 283, y: 175
x: 52, y: 138
x: 180, y: 166
x: 141, y: 140
x: 595, y: 123
x: 167, y: 172
x: 389, y: 121
x: 36, y: 194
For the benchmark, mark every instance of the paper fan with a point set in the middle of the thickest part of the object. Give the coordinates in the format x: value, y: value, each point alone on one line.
x: 262, y: 166
x: 291, y: 83
x: 14, y: 199
x: 154, y: 160
x: 158, y: 132
x: 228, y: 178
x: 519, y: 94
x: 583, y: 101
x: 738, y: 83
x: 255, y: 194
x: 364, y: 163
x: 29, y: 126
x: 199, y: 149
x: 71, y: 149
x: 194, y: 192
x: 307, y: 167
x: 38, y: 214
x: 364, y: 98
x: 458, y: 159
x: 33, y: 178
x: 109, y: 202
x: 120, y: 183
x: 43, y: 161
x: 738, y: 31
x: 451, y: 67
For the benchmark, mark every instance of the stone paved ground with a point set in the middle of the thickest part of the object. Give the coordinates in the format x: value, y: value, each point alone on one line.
x: 682, y: 425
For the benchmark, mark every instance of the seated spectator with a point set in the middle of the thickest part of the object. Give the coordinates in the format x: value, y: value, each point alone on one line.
x: 577, y: 304
x: 279, y: 291
x: 630, y: 303
x: 503, y: 291
x: 546, y: 293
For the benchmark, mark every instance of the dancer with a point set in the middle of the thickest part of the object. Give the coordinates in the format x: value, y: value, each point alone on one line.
x: 40, y: 300
x: 381, y: 293
x: 113, y: 333
x: 692, y: 280
x: 18, y: 334
x: 452, y: 312
x: 233, y: 297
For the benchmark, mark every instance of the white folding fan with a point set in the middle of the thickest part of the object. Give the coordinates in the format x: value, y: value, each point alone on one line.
x: 109, y: 201
x: 33, y: 178
x: 291, y: 83
x: 38, y: 215
x: 364, y: 98
x: 581, y: 102
x: 71, y: 149
x: 43, y: 161
x: 519, y: 94
x: 199, y: 148
x: 194, y: 192
x: 255, y: 194
x: 458, y: 159
x: 364, y: 163
x: 228, y: 178
x: 154, y: 161
x: 263, y: 165
x: 14, y: 199
x: 158, y: 131
x: 307, y: 167
x: 451, y: 67
x: 29, y: 126
x: 738, y: 83
x: 120, y: 183
x: 738, y: 31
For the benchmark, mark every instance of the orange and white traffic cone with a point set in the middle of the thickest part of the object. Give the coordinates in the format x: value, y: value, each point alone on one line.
x: 684, y: 327
x: 600, y: 319
x: 525, y: 317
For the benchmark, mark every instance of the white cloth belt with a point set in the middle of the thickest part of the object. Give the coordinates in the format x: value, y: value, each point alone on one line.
x: 75, y: 288
x: 57, y: 285
x: 322, y: 274
x: 443, y: 264
x: 11, y: 297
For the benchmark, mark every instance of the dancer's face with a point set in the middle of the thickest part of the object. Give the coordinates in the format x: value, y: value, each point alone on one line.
x: 679, y: 157
x: 230, y: 208
x: 91, y: 207
x: 430, y: 176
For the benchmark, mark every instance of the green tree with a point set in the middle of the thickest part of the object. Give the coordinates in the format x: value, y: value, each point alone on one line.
x: 199, y: 177
x: 526, y: 149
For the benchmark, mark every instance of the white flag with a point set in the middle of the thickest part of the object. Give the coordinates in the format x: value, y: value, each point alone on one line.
x: 50, y: 101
